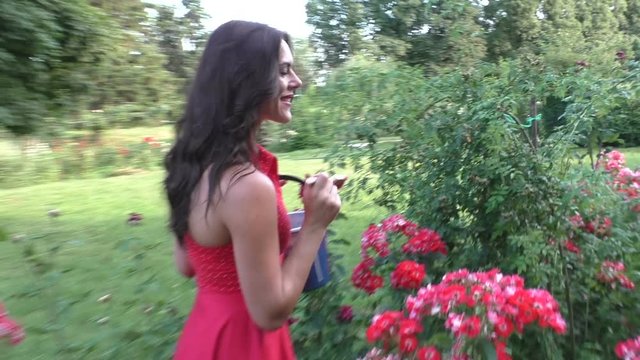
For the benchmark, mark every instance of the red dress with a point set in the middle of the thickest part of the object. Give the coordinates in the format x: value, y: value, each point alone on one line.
x: 219, y: 326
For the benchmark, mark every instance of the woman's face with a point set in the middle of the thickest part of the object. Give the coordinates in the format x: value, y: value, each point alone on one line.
x: 278, y: 109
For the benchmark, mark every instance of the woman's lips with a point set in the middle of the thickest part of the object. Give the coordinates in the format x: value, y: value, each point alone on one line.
x: 287, y: 99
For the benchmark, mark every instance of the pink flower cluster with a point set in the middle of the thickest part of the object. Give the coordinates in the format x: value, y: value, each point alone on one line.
x: 375, y: 244
x: 151, y: 141
x: 374, y: 238
x: 408, y: 275
x: 423, y: 353
x: 612, y: 161
x: 391, y: 327
x: 473, y: 304
x: 598, y: 226
x: 507, y: 305
x: 397, y: 223
x: 625, y: 181
x: 628, y: 349
x: 9, y: 328
x: 364, y: 278
x: 613, y: 272
x: 345, y: 314
x: 425, y: 241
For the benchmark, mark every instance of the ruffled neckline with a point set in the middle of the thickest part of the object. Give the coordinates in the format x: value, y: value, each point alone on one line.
x: 267, y: 162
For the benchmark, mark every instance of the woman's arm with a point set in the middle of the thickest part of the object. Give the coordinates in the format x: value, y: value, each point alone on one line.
x: 271, y: 289
x: 182, y: 260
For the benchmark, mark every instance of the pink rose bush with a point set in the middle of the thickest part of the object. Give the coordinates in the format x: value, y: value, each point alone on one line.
x: 9, y: 328
x: 628, y: 349
x: 613, y: 273
x: 376, y: 247
x: 408, y: 275
x: 594, y: 228
x: 598, y: 226
x: 345, y: 314
x: 418, y: 314
x: 625, y: 181
x: 469, y: 305
x: 472, y: 305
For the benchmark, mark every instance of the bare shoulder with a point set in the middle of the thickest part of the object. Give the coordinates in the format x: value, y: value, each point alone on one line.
x: 244, y: 194
x: 246, y: 190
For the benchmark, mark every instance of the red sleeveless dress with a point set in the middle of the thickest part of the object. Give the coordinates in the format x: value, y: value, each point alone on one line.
x: 219, y: 326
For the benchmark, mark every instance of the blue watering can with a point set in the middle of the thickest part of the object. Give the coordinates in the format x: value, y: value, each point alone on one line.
x: 319, y: 275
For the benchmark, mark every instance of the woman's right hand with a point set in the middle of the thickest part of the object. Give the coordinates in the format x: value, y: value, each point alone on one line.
x: 321, y: 200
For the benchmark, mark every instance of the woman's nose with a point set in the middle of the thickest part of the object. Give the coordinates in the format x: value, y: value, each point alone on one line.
x: 295, y: 81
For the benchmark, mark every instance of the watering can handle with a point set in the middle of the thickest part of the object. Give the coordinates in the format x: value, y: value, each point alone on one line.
x: 291, y: 178
x: 338, y: 180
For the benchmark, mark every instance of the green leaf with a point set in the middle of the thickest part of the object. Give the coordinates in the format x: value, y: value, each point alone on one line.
x: 441, y: 340
x: 488, y: 350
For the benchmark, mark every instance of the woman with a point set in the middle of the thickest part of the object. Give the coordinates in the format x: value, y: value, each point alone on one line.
x: 226, y: 203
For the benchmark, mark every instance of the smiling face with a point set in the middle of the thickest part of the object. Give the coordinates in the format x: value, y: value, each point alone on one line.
x: 278, y: 109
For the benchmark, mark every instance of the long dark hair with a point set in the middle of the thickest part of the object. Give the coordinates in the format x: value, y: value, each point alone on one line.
x: 238, y: 72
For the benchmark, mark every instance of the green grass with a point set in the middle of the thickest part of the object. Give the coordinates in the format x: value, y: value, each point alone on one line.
x: 632, y: 157
x: 99, y: 254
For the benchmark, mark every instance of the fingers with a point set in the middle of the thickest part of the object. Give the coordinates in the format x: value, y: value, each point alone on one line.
x: 320, y: 185
x: 318, y: 181
x: 321, y: 199
x: 337, y: 180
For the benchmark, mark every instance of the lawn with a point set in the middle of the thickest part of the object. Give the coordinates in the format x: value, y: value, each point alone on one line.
x: 632, y: 156
x: 93, y: 252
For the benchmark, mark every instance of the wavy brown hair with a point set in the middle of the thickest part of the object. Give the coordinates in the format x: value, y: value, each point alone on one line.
x: 238, y: 72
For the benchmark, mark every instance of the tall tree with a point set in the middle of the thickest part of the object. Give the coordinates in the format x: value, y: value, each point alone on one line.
x: 168, y: 32
x: 395, y: 24
x: 193, y: 23
x: 514, y: 27
x: 128, y: 13
x: 619, y: 10
x: 340, y: 27
x: 633, y: 17
x: 560, y: 17
x: 172, y: 33
x: 633, y: 25
x: 46, y: 50
x: 598, y: 20
x: 132, y: 71
x: 428, y: 33
x: 454, y: 38
x: 563, y: 41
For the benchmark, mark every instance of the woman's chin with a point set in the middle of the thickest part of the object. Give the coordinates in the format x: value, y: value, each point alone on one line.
x: 282, y: 120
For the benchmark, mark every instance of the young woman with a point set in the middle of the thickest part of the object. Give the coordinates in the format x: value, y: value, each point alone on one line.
x: 226, y: 203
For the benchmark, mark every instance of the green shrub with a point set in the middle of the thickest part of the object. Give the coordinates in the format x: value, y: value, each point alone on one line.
x: 471, y: 164
x: 106, y: 160
x: 73, y: 160
x: 43, y: 169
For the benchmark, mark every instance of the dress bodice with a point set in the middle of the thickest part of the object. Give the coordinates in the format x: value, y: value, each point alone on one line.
x: 215, y: 267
